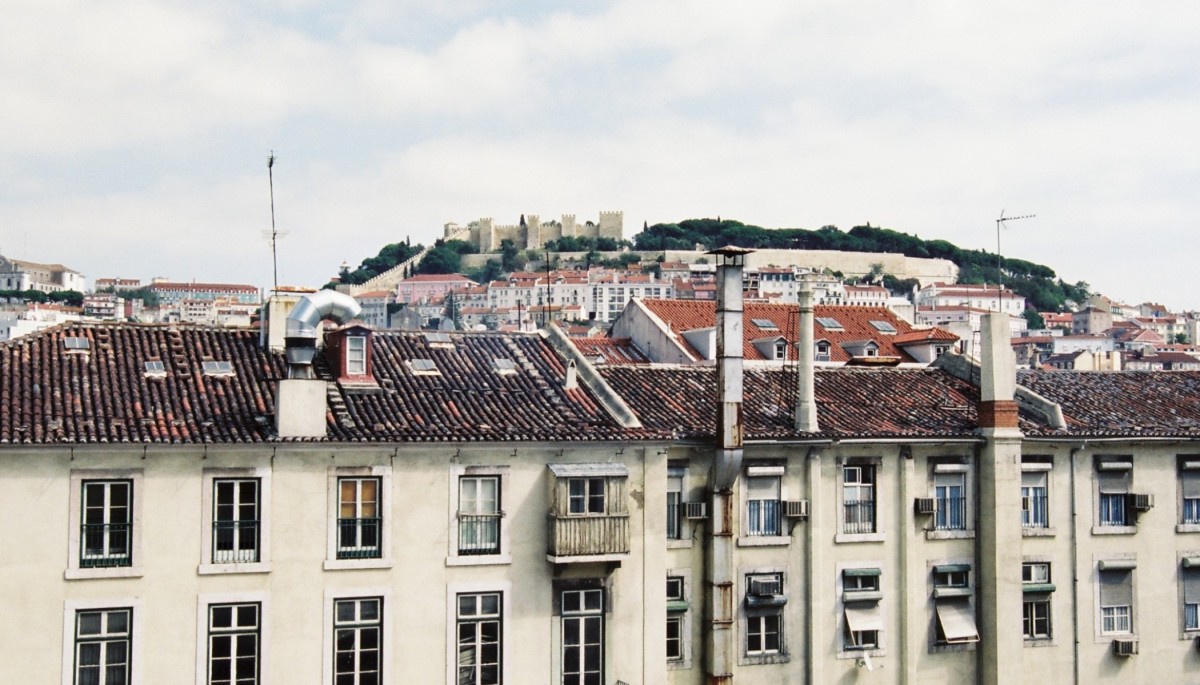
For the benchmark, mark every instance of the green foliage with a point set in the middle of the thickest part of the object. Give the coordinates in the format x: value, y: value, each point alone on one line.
x: 510, y: 257
x: 445, y: 257
x: 388, y: 257
x: 72, y: 298
x: 1033, y: 319
x: 145, y: 294
x: 585, y: 244
x: 490, y: 271
x: 1180, y: 338
x: 1037, y: 283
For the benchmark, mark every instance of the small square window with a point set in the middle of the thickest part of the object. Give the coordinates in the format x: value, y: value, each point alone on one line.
x: 585, y: 496
x: 1035, y: 572
x: 76, y: 344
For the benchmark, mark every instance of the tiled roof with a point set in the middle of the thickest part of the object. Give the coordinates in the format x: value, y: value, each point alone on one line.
x: 850, y: 402
x: 686, y: 315
x: 50, y: 395
x: 230, y: 287
x: 1124, y: 403
x: 924, y: 335
x: 610, y: 350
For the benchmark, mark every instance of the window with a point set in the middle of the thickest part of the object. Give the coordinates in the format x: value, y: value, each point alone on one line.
x: 1034, y: 503
x: 765, y: 324
x: 106, y: 533
x: 675, y: 476
x: 235, y: 535
x: 883, y: 326
x: 585, y: 496
x: 358, y: 523
x: 780, y: 349
x: 858, y: 499
x: 1189, y: 581
x: 155, y: 367
x: 1035, y: 608
x: 823, y: 352
x: 949, y: 492
x: 358, y: 640
x: 583, y: 637
x: 829, y: 323
x: 1113, y: 480
x: 762, y: 506
x: 863, y: 617
x: 952, y: 597
x: 479, y: 639
x: 216, y: 368
x: 479, y: 515
x: 1116, y: 597
x: 74, y: 344
x: 765, y: 600
x: 103, y: 640
x: 1189, y: 482
x: 356, y: 355
x: 233, y: 644
x: 676, y: 612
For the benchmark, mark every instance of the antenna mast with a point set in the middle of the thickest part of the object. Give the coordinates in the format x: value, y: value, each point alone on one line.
x: 999, y: 260
x: 274, y: 233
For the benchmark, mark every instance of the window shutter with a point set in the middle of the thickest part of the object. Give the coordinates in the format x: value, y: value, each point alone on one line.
x: 1191, y: 484
x: 762, y: 488
x: 1033, y: 479
x: 1116, y: 588
x: 1191, y: 586
x: 1114, y: 482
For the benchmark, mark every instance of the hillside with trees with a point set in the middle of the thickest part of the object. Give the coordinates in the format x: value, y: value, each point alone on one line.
x: 1040, y: 286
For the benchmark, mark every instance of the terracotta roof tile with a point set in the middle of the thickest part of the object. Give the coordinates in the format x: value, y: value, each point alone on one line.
x: 1124, y: 403
x: 611, y: 350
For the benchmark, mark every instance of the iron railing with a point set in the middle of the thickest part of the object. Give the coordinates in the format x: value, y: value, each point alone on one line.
x: 105, y: 545
x: 359, y: 538
x: 858, y: 517
x: 479, y: 533
x: 235, y: 542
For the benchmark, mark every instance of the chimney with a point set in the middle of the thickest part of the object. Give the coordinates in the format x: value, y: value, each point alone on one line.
x: 570, y: 381
x: 722, y: 648
x: 806, y: 401
x: 998, y: 373
x: 300, y: 400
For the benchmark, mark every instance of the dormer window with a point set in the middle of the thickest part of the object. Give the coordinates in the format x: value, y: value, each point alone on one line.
x: 823, y: 351
x: 780, y: 349
x: 356, y: 355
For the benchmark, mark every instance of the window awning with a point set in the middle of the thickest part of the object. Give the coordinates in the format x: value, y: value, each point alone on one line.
x: 957, y: 622
x: 600, y: 470
x: 860, y: 618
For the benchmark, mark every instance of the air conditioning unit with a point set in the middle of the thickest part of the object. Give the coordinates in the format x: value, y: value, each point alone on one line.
x: 1141, y: 502
x: 765, y: 587
x: 1125, y: 647
x: 925, y: 505
x: 796, y: 509
x: 694, y: 511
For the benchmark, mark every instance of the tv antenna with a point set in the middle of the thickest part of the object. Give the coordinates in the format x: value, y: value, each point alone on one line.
x: 999, y: 260
x: 273, y: 235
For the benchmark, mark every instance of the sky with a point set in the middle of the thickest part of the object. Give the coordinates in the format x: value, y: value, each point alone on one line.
x: 136, y: 134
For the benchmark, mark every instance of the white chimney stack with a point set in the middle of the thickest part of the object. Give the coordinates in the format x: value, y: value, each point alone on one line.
x: 806, y: 400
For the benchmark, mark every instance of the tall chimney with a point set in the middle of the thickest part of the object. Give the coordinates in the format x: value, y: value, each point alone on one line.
x: 727, y: 463
x: 806, y: 401
x: 300, y: 399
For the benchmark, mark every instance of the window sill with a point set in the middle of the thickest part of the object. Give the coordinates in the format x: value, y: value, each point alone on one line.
x: 1038, y: 532
x: 99, y: 573
x: 858, y: 537
x: 1114, y: 530
x: 950, y: 535
x: 763, y: 659
x: 356, y: 564
x: 479, y: 560
x: 679, y: 664
x: 1040, y: 642
x: 874, y: 653
x: 225, y: 569
x: 1187, y: 528
x: 947, y: 649
x: 680, y: 544
x: 763, y: 541
x: 1107, y: 638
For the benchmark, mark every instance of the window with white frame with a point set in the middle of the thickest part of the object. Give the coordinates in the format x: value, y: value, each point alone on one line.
x: 763, y: 486
x: 1113, y: 480
x: 1034, y: 500
x: 950, y: 496
x: 1189, y: 487
x: 103, y: 640
x: 858, y: 498
x: 582, y: 623
x: 236, y: 524
x: 356, y: 355
x: 823, y: 351
x: 1116, y: 597
x: 1189, y: 592
x: 675, y: 478
x: 677, y: 607
x: 480, y: 632
x: 765, y: 601
x: 358, y: 641
x: 1036, y: 592
x: 106, y: 525
x: 479, y: 514
x: 359, y: 521
x: 863, y: 618
x: 952, y: 603
x: 234, y: 644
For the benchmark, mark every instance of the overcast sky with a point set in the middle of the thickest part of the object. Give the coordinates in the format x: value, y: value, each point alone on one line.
x: 135, y: 134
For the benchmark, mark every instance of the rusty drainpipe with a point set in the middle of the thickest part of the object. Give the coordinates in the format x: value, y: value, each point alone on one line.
x: 727, y: 464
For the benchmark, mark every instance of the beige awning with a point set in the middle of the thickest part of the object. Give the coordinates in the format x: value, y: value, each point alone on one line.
x: 957, y: 621
x: 863, y: 618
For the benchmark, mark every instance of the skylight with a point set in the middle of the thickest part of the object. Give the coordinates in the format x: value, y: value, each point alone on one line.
x: 829, y: 323
x: 504, y: 365
x: 217, y: 368
x: 423, y: 366
x: 437, y: 337
x: 765, y: 324
x: 76, y: 343
x: 156, y: 366
x: 883, y: 327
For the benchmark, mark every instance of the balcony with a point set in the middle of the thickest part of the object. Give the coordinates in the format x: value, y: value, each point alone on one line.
x: 359, y: 538
x: 105, y: 545
x: 575, y: 539
x: 235, y: 542
x: 479, y: 534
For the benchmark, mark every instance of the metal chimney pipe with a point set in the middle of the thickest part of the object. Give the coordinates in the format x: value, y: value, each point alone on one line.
x: 806, y: 401
x: 300, y: 341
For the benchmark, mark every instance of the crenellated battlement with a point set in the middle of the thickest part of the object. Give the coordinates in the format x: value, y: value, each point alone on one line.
x: 531, y: 234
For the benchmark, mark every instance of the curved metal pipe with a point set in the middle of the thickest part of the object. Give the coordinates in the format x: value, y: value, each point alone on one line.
x: 314, y: 308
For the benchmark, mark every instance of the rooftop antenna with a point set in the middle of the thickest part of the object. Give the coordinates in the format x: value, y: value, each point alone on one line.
x: 999, y: 272
x: 273, y: 235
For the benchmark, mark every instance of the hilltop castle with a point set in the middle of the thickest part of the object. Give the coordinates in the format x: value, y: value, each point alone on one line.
x: 532, y: 233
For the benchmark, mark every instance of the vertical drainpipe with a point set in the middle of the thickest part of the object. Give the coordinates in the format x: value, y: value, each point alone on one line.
x: 998, y: 584
x: 727, y: 463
